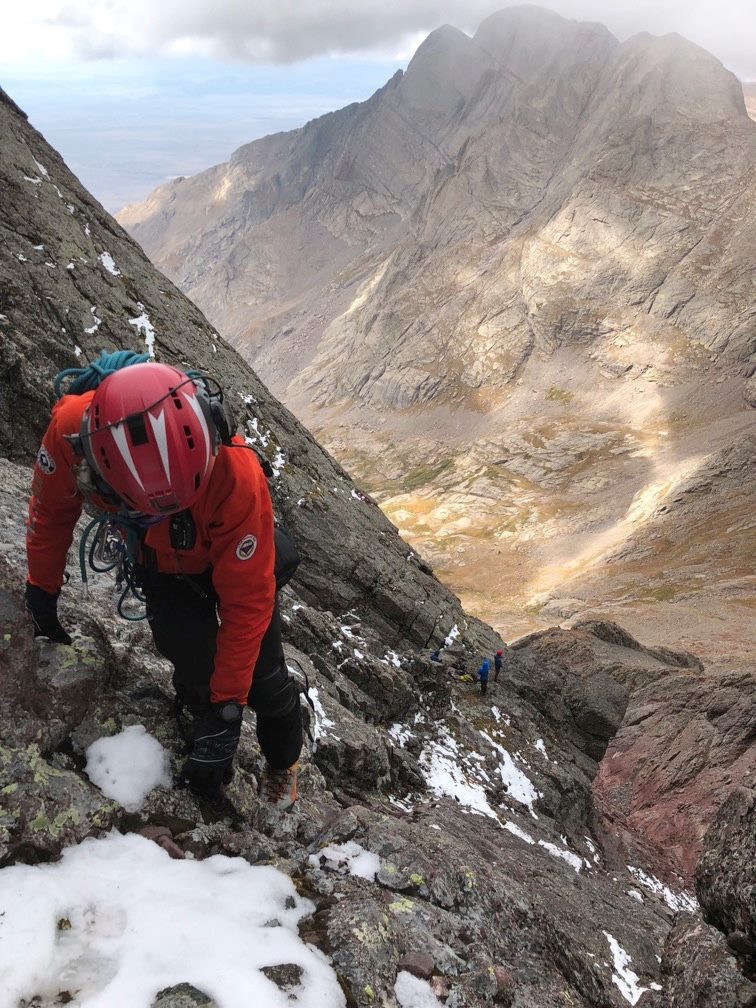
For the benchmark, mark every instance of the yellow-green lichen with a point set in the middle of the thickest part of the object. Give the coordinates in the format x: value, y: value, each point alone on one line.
x: 416, y: 880
x: 402, y: 905
x: 41, y: 824
x: 373, y: 938
x: 469, y: 882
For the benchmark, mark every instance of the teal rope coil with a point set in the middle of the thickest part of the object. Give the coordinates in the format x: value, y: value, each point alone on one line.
x: 87, y: 378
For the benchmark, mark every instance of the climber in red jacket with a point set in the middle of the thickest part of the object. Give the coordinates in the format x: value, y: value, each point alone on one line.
x: 152, y: 447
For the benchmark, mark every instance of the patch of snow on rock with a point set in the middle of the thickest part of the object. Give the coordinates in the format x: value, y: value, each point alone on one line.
x: 516, y: 831
x: 93, y: 328
x: 107, y: 261
x: 440, y: 760
x: 451, y: 636
x: 675, y: 901
x: 128, y: 766
x: 116, y: 920
x: 143, y: 324
x: 518, y: 785
x: 348, y: 859
x: 412, y: 992
x: 623, y: 977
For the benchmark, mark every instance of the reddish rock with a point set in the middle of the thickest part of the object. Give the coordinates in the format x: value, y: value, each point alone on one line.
x: 419, y: 964
x: 686, y: 741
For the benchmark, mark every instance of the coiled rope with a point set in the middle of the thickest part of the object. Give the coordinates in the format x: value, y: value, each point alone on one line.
x: 87, y: 378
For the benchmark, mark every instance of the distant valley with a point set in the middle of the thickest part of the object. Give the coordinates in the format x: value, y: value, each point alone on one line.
x: 513, y: 293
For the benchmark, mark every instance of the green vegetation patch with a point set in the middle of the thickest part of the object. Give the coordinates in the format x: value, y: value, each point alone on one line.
x: 556, y: 394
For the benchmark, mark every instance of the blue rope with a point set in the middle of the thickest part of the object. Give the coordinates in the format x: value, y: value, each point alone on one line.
x: 87, y: 378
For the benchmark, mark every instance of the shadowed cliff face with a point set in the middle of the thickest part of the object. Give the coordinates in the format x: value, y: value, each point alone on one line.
x: 495, y: 879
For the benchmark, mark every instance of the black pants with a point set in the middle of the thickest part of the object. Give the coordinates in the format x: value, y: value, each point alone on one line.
x: 183, y: 617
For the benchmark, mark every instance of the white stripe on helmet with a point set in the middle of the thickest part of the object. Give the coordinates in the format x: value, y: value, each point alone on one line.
x: 194, y: 403
x: 158, y: 429
x: 119, y: 436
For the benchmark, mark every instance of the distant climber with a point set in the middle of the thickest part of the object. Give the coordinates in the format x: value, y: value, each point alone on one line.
x: 483, y: 675
x: 153, y: 450
x: 435, y: 656
x: 497, y: 665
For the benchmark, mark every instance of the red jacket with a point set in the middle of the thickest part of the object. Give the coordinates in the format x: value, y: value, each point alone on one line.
x: 234, y: 521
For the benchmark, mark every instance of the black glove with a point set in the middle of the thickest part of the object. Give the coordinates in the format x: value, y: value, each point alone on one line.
x: 44, y: 612
x: 210, y: 763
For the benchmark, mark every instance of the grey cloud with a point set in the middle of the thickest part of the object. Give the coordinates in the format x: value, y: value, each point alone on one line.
x: 284, y: 31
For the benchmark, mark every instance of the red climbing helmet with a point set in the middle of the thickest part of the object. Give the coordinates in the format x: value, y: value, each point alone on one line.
x: 149, y: 434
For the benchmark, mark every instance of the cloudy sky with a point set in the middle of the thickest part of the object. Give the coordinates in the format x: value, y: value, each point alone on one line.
x: 134, y: 91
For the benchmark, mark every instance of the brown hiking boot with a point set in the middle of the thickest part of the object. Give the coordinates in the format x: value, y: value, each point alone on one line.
x: 279, y: 787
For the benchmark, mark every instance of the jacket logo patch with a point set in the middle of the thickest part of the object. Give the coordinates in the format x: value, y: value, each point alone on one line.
x: 45, y: 461
x: 246, y: 547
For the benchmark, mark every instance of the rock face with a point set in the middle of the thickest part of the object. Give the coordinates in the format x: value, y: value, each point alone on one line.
x: 698, y: 971
x: 685, y: 739
x: 492, y: 878
x: 528, y: 189
x: 726, y: 874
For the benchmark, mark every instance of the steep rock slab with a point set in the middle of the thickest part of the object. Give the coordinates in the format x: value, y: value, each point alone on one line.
x: 72, y: 281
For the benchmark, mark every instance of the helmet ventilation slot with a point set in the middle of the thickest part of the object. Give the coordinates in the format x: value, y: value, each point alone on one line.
x: 137, y: 430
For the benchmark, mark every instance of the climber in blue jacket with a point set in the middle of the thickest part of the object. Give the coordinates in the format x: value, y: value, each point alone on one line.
x: 483, y: 675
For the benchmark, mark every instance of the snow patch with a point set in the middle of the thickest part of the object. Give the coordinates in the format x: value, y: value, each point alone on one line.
x: 116, y: 920
x: 107, y: 261
x: 348, y: 859
x: 400, y: 733
x: 451, y: 636
x: 412, y: 992
x: 440, y: 761
x: 675, y: 901
x: 566, y: 855
x: 128, y: 766
x: 143, y: 324
x: 516, y: 831
x: 93, y: 328
x: 322, y: 720
x: 518, y: 785
x: 41, y: 169
x: 623, y: 977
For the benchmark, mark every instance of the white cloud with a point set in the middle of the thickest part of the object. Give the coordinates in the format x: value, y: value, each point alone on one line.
x: 290, y: 30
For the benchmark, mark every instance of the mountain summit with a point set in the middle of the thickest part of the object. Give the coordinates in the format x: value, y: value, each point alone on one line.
x: 536, y: 186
